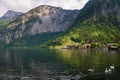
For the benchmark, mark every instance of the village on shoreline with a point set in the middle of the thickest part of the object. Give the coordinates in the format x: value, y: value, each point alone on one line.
x: 95, y: 45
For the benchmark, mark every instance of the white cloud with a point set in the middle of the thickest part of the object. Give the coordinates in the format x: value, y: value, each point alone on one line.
x: 25, y: 5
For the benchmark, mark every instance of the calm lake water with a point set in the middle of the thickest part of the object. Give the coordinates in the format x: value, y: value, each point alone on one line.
x: 44, y: 64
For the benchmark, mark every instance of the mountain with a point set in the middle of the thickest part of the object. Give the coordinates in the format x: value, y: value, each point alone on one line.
x: 43, y: 19
x: 10, y: 14
x: 99, y: 21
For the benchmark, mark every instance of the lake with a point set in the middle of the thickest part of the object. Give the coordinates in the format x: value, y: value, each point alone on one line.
x: 61, y: 64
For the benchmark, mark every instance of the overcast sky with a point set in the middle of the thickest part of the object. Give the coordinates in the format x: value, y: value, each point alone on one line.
x: 25, y: 5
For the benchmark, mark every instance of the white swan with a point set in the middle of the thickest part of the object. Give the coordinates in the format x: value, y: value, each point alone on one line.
x: 106, y: 71
x: 91, y: 70
x: 112, y: 67
x: 109, y: 70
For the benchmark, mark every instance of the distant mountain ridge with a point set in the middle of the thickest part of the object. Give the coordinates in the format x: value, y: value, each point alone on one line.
x: 10, y: 14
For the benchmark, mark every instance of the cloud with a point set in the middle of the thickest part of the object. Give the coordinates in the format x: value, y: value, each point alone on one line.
x: 25, y: 5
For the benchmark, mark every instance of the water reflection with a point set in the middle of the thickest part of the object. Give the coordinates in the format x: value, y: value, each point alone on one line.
x: 44, y: 63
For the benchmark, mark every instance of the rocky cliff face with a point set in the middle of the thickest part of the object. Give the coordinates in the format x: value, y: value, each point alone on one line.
x: 41, y: 19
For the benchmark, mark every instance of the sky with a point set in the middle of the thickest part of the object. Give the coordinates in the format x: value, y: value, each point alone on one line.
x: 26, y: 5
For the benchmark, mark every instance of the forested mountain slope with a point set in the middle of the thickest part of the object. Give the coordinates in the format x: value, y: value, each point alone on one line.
x: 99, y: 20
